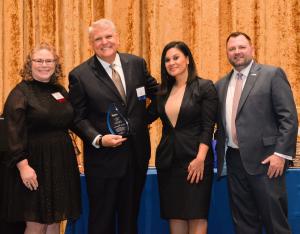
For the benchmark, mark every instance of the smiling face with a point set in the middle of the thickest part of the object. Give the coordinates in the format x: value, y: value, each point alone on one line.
x: 43, y: 65
x: 176, y: 63
x: 239, y: 52
x: 105, y: 41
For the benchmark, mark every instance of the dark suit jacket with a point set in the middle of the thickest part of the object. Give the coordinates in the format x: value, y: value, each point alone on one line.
x: 266, y: 120
x: 91, y: 93
x: 194, y: 125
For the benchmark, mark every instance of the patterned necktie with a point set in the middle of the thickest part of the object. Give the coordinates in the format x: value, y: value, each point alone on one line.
x: 235, y: 103
x: 117, y: 81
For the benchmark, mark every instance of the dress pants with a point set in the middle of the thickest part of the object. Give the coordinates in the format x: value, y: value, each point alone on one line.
x: 256, y: 200
x: 114, y: 202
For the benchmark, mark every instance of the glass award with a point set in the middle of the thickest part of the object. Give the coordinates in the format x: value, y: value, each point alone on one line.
x: 116, y: 122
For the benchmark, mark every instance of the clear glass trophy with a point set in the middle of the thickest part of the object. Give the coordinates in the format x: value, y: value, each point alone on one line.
x: 116, y: 122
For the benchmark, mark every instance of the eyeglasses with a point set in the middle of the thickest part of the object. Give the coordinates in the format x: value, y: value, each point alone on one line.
x: 42, y: 61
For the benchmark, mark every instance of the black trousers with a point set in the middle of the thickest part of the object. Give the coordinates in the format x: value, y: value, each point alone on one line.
x: 256, y: 200
x: 114, y: 202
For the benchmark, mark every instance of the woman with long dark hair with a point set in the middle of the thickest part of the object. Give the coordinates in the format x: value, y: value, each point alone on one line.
x: 187, y: 107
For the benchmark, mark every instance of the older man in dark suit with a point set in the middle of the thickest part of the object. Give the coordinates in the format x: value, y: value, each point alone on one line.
x: 256, y: 134
x: 115, y: 165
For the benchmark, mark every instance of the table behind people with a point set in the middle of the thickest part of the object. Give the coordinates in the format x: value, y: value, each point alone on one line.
x: 5, y: 227
x: 219, y: 220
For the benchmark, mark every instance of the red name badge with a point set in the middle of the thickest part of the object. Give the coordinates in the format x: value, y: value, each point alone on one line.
x: 58, y: 97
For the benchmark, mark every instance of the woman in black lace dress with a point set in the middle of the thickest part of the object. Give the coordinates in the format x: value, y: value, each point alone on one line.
x: 43, y: 184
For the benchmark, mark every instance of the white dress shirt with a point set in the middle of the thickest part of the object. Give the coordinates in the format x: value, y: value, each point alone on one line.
x: 119, y: 69
x: 229, y: 101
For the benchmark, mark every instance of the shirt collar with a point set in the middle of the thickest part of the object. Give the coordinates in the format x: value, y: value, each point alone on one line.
x: 245, y: 71
x: 106, y: 65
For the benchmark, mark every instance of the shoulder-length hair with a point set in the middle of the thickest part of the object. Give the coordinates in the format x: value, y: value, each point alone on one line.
x: 26, y: 71
x: 167, y: 80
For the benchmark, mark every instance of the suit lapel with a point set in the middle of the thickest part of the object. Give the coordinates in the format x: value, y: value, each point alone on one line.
x: 224, y: 97
x: 102, y: 75
x: 185, y: 100
x: 251, y: 79
x: 163, y: 100
x: 127, y: 75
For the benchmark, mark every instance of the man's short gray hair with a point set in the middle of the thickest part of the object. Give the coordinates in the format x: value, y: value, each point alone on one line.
x: 102, y: 23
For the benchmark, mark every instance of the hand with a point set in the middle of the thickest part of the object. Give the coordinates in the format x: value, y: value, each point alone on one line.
x: 111, y: 140
x: 195, y: 170
x: 28, y: 175
x: 276, y: 165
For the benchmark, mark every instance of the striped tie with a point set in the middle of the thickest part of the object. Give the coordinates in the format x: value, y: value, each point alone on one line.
x: 235, y: 103
x: 117, y: 81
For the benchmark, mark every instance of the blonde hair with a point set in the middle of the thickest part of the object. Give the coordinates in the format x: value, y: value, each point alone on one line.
x: 26, y: 71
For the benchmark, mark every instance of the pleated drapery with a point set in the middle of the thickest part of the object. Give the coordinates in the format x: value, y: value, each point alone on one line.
x: 145, y: 26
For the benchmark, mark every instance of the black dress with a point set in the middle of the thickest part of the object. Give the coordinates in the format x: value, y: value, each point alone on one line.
x: 179, y: 146
x: 38, y: 131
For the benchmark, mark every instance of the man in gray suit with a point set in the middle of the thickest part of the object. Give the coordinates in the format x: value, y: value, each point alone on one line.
x: 256, y: 134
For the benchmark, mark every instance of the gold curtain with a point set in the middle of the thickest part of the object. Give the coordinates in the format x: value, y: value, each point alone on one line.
x: 145, y: 26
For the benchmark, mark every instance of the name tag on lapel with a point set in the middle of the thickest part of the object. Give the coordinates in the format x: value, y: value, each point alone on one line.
x: 141, y: 93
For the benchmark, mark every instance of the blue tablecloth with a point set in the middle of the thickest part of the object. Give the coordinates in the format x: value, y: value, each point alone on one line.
x: 220, y: 221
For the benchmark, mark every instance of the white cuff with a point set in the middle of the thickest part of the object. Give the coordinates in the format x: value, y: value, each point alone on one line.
x: 284, y: 156
x: 94, y: 143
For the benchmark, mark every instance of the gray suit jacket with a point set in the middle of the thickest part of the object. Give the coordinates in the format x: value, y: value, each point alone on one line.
x: 266, y: 119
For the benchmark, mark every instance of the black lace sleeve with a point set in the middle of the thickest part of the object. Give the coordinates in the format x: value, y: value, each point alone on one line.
x: 15, y: 119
